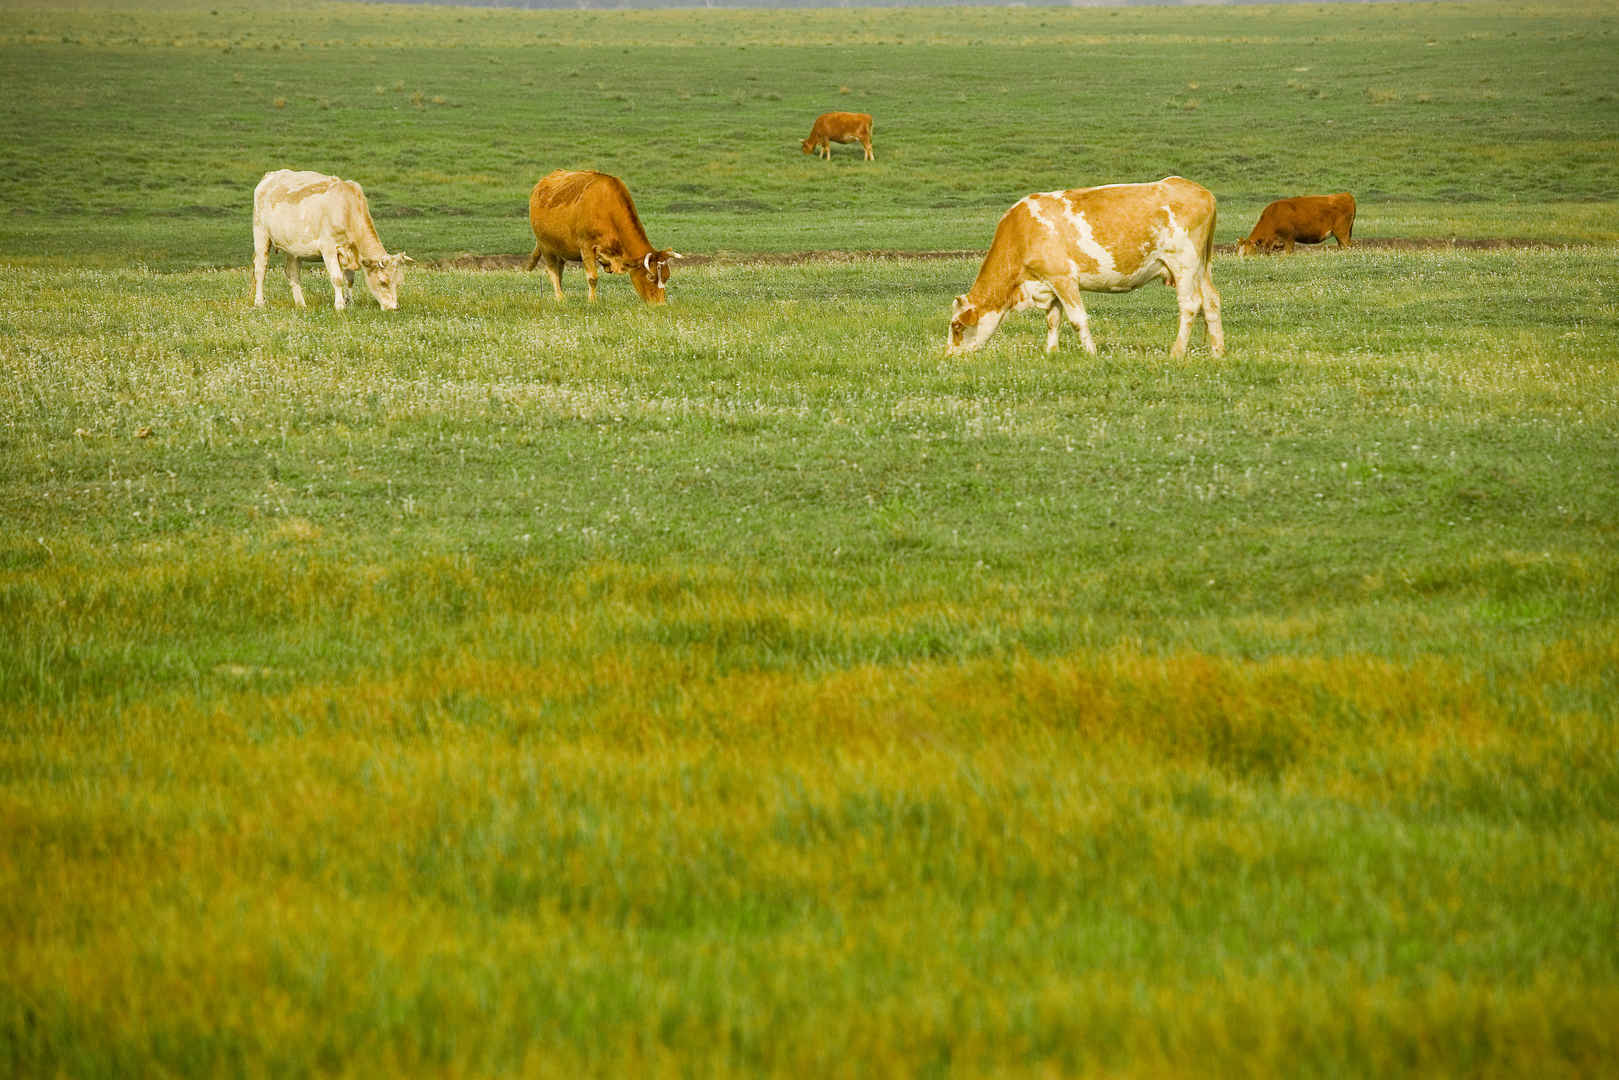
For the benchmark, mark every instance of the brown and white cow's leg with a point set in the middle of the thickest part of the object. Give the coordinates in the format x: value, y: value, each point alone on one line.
x: 553, y: 267
x: 261, y: 262
x: 1189, y: 295
x: 1068, y: 295
x: 1211, y: 311
x: 294, y: 268
x: 1053, y: 324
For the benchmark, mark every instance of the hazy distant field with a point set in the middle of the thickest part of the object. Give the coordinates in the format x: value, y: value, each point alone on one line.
x: 144, y: 132
x: 741, y: 687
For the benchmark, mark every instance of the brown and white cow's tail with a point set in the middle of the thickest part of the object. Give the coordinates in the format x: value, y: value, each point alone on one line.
x: 1209, y: 299
x: 1208, y: 240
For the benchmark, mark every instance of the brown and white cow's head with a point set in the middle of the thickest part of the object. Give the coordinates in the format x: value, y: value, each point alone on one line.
x: 382, y: 277
x: 970, y: 326
x: 649, y: 274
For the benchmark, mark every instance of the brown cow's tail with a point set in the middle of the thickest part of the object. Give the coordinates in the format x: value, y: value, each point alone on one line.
x: 534, y: 259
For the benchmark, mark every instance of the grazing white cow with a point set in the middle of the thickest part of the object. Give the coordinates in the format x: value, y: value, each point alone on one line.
x: 1052, y: 245
x: 309, y: 214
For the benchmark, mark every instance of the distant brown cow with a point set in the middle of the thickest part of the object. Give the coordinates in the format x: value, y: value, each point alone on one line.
x: 1307, y: 219
x: 589, y: 218
x: 839, y: 127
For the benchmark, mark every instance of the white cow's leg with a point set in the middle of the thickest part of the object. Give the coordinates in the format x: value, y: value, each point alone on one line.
x: 261, y: 262
x: 1211, y: 311
x: 294, y: 274
x: 334, y: 270
x: 1068, y: 294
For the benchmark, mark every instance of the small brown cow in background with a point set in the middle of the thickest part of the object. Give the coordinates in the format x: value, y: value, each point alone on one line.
x: 839, y: 127
x: 1307, y: 219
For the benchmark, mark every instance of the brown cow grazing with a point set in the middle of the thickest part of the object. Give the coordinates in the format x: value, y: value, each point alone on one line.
x: 589, y: 218
x: 306, y: 214
x: 1052, y: 245
x: 1307, y: 219
x: 839, y: 127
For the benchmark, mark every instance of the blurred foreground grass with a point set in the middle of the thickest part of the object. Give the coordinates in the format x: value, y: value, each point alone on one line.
x: 743, y: 687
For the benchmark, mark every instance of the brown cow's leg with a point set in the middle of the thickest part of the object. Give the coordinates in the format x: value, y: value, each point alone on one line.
x: 553, y: 267
x: 866, y: 142
x: 588, y: 257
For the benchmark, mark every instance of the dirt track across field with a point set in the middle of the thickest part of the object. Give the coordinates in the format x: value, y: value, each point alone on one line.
x: 789, y: 258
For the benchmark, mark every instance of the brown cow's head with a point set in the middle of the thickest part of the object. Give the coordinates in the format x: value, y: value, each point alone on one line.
x: 382, y: 277
x: 808, y: 146
x: 649, y: 274
x: 970, y: 326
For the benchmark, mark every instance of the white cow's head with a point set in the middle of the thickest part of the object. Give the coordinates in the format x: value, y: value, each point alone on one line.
x: 382, y: 277
x: 970, y: 326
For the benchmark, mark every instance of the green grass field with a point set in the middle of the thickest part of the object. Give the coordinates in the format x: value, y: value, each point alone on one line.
x: 742, y: 687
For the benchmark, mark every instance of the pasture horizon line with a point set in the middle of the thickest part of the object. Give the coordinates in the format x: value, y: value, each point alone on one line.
x: 738, y: 5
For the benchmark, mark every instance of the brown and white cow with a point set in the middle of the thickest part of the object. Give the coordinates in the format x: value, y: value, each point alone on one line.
x: 1307, y: 219
x: 309, y: 214
x: 1053, y: 245
x: 839, y: 127
x: 589, y: 218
